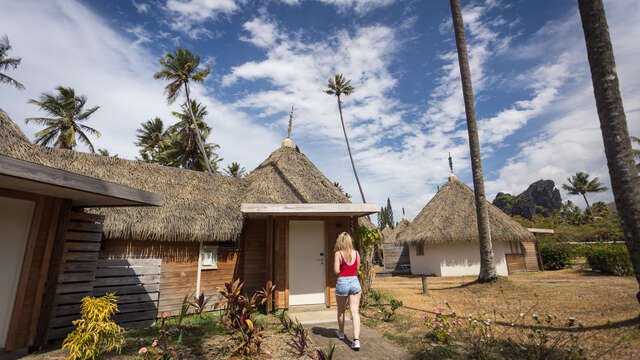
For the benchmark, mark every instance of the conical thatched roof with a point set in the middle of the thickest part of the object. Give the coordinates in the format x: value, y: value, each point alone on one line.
x: 451, y: 217
x: 403, y: 225
x: 196, y: 205
x: 386, y: 234
x: 288, y: 177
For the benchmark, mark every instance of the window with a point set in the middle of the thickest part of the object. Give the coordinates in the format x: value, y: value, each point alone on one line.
x: 420, y: 250
x: 209, y: 257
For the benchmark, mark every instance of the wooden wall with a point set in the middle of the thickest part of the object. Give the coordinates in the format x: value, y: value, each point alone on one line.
x: 530, y: 255
x: 395, y: 257
x: 179, y: 268
x: 254, y: 255
x: 30, y: 316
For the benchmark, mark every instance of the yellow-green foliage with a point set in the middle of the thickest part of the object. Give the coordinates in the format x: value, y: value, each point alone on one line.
x: 95, y: 332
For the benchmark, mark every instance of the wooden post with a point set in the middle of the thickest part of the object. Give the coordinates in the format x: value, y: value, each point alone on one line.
x: 424, y: 284
x: 199, y: 269
x: 269, y: 260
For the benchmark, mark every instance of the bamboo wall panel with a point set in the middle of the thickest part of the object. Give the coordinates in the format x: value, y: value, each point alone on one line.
x: 515, y: 263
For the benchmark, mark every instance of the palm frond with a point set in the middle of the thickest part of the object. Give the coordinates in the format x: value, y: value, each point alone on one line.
x: 5, y: 79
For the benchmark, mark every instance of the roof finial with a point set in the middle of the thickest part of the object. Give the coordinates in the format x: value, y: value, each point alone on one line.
x: 451, y: 174
x: 287, y: 142
x: 404, y: 218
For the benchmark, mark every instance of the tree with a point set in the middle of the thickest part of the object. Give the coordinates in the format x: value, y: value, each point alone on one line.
x: 179, y: 68
x: 385, y: 216
x: 337, y: 184
x: 180, y: 147
x: 149, y: 138
x: 105, y: 152
x: 339, y: 86
x: 68, y: 111
x: 487, y: 265
x: 234, y: 170
x: 7, y: 63
x: 579, y: 184
x: 625, y: 181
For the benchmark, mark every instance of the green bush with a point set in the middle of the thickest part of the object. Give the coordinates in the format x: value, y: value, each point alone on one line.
x: 556, y: 256
x: 610, y: 259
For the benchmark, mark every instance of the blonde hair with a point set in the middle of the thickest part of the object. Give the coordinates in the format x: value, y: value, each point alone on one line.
x: 344, y: 243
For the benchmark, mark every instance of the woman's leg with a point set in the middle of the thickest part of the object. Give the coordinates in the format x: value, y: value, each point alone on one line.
x: 342, y: 305
x: 354, y: 304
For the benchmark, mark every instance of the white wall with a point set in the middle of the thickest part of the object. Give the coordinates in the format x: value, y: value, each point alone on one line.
x: 15, y: 223
x: 456, y: 259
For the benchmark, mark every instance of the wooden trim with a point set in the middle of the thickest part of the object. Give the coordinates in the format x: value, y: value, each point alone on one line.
x: 286, y: 263
x: 44, y: 268
x: 331, y: 209
x: 53, y: 271
x: 20, y: 195
x: 328, y: 265
x: 269, y: 247
x: 50, y: 176
x: 12, y: 340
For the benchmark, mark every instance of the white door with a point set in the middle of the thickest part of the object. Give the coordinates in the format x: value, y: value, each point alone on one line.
x: 15, y: 223
x: 306, y: 263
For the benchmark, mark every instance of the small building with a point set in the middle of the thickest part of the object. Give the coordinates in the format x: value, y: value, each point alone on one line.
x: 443, y: 238
x: 279, y: 223
x: 395, y: 254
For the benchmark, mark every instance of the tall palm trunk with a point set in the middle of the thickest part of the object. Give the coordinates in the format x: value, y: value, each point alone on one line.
x: 487, y: 266
x: 584, y: 195
x: 625, y: 181
x: 353, y: 165
x: 196, y: 129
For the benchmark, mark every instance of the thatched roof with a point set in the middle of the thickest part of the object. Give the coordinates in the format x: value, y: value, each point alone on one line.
x: 402, y: 226
x: 451, y: 217
x: 196, y: 205
x: 386, y: 234
x: 289, y: 177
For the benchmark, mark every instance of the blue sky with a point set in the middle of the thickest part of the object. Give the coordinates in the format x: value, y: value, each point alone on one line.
x: 534, y: 99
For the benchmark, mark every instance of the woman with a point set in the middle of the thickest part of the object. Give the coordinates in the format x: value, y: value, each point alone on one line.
x: 345, y: 264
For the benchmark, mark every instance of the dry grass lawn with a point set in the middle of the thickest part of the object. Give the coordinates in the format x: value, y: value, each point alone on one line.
x: 605, y: 305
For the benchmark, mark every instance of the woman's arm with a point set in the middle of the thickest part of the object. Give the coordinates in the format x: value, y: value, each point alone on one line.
x: 336, y: 262
x: 358, y: 255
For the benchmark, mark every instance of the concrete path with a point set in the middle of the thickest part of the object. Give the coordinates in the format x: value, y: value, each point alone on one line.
x: 373, y: 346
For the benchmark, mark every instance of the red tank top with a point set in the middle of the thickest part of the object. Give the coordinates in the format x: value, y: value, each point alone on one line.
x: 346, y: 269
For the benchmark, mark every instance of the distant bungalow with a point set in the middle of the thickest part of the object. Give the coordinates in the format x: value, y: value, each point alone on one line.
x: 443, y: 238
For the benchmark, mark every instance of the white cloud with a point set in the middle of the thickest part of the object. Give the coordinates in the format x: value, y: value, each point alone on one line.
x: 190, y: 15
x: 141, y: 7
x: 359, y: 6
x: 571, y: 141
x: 142, y: 35
x: 83, y: 52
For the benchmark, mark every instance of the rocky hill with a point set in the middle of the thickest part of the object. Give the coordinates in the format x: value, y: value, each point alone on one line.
x: 541, y: 197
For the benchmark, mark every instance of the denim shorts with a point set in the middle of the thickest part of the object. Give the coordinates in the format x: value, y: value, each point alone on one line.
x: 347, y: 285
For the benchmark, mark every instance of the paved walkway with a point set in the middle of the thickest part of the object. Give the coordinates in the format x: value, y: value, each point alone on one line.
x: 373, y: 346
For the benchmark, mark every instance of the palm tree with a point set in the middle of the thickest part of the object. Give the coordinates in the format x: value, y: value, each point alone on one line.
x: 625, y: 181
x: 235, y: 170
x: 105, y: 152
x: 7, y: 63
x: 487, y: 265
x: 149, y: 138
x: 340, y: 86
x: 346, y: 194
x: 68, y: 111
x: 579, y: 184
x: 179, y: 68
x: 183, y: 140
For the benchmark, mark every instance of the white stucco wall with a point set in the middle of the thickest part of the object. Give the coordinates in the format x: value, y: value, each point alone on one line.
x: 456, y: 259
x: 15, y: 223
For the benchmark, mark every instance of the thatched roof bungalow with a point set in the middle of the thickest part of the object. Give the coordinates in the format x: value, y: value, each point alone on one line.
x: 276, y: 224
x: 443, y: 238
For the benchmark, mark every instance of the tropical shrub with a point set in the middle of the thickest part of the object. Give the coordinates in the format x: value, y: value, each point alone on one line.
x: 287, y: 323
x: 556, y: 255
x: 390, y: 312
x: 266, y: 296
x: 442, y: 327
x: 95, y: 332
x: 326, y: 355
x: 610, y: 259
x: 249, y: 339
x: 300, y: 338
x: 365, y: 241
x: 199, y: 303
x: 160, y: 348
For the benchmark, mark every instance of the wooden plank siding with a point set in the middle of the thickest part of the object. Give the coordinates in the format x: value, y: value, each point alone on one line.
x: 396, y: 257
x: 515, y: 263
x: 76, y: 277
x: 178, y: 269
x: 530, y: 255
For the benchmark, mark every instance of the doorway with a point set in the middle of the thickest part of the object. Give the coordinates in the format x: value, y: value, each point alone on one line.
x: 306, y: 263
